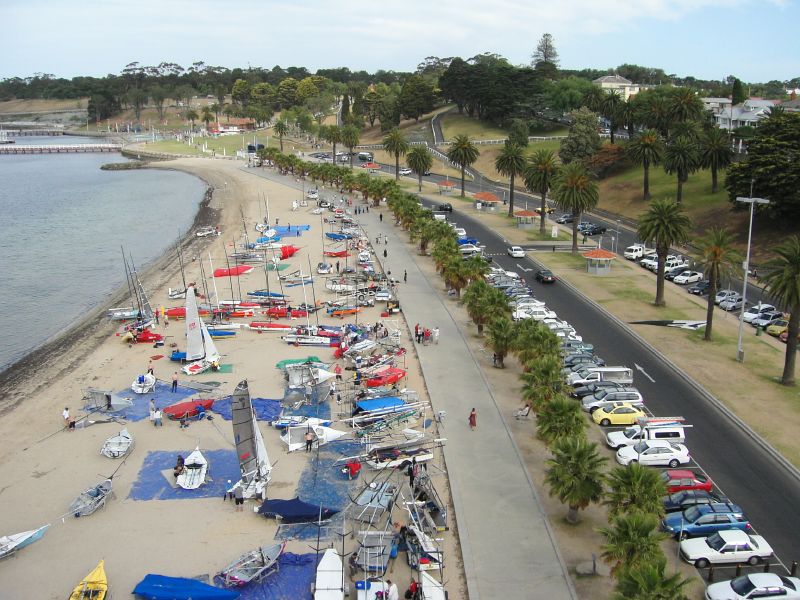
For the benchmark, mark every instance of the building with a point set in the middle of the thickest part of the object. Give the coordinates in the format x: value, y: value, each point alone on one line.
x: 615, y: 83
x: 234, y: 125
x: 716, y: 105
x: 746, y: 114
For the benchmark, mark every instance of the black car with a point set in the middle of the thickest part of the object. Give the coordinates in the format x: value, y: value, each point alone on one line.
x: 671, y: 274
x: 594, y: 229
x: 680, y: 501
x: 577, y: 359
x: 700, y: 288
x: 590, y: 389
x: 565, y: 219
x: 545, y: 276
x: 446, y: 207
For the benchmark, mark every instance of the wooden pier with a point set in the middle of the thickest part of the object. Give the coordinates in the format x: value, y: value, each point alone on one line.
x: 60, y: 149
x: 33, y: 132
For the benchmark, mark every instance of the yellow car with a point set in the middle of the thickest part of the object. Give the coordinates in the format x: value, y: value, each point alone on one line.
x: 621, y: 414
x: 778, y: 327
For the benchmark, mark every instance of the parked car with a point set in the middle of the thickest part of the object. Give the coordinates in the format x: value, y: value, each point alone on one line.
x: 732, y: 303
x: 594, y: 229
x: 617, y: 414
x: 768, y: 318
x: 655, y: 453
x: 312, y: 194
x: 574, y: 344
x: 324, y: 204
x: 634, y: 252
x: 406, y: 171
x: 700, y: 288
x: 761, y: 586
x: 671, y: 273
x: 516, y: 252
x: 545, y: 276
x: 680, y: 501
x: 565, y: 219
x: 756, y: 311
x: 688, y: 277
x: 723, y: 295
x: 778, y: 327
x: 577, y: 359
x: 705, y: 519
x: 445, y: 207
x: 683, y: 479
x: 733, y: 546
x: 590, y: 389
x: 626, y: 394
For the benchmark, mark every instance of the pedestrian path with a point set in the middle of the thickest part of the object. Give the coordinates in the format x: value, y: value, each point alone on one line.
x: 506, y: 542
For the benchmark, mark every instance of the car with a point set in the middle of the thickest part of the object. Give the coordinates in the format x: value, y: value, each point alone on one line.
x: 584, y: 225
x: 324, y: 204
x: 594, y: 229
x: 705, y: 519
x: 732, y: 303
x: 312, y: 194
x: 778, y: 327
x: 680, y: 501
x: 688, y: 277
x: 577, y: 359
x: 545, y: 276
x: 622, y: 414
x: 678, y: 480
x: 700, y: 288
x: 656, y: 453
x: 733, y: 546
x: 761, y: 586
x: 583, y: 346
x: 444, y: 207
x: 723, y: 295
x: 405, y: 171
x: 516, y: 252
x: 671, y: 273
x: 549, y: 210
x: 590, y: 389
x: 627, y: 394
x: 460, y: 232
x: 768, y: 318
x: 756, y: 311
x: 563, y: 219
x: 426, y: 173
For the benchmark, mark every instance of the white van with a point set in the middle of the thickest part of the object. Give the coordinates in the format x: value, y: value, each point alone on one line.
x: 622, y: 375
x: 670, y: 431
x: 365, y: 156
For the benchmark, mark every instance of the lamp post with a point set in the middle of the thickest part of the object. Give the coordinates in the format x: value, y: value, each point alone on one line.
x: 752, y: 202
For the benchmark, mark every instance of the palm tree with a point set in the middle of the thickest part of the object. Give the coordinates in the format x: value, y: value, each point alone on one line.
x: 420, y: 161
x: 542, y: 381
x: 634, y: 487
x: 333, y: 135
x: 206, y: 116
x: 681, y: 158
x: 484, y: 303
x: 575, y: 192
x: 593, y: 99
x: 611, y: 109
x: 575, y: 475
x: 454, y: 275
x: 443, y: 250
x: 395, y: 143
x: 715, y: 153
x: 215, y: 108
x: 463, y: 153
x: 281, y: 129
x: 646, y: 149
x: 534, y: 341
x: 351, y: 135
x: 192, y: 116
x: 560, y: 418
x: 632, y: 540
x: 500, y: 336
x: 539, y: 176
x: 718, y: 257
x: 510, y: 162
x: 664, y: 224
x: 684, y: 105
x: 648, y: 581
x: 782, y: 279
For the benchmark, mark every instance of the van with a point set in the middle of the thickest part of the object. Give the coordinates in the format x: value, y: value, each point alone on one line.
x: 365, y: 156
x: 591, y: 374
x: 440, y: 216
x: 670, y: 431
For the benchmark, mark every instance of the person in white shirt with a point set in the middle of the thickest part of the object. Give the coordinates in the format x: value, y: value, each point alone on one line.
x: 393, y: 594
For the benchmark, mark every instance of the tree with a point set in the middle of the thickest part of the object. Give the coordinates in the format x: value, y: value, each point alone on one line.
x: 192, y: 116
x: 664, y: 224
x: 137, y: 99
x: 351, y: 134
x: 539, y: 176
x: 582, y: 141
x: 568, y: 93
x: 511, y: 163
x: 286, y: 94
x: 576, y: 193
x: 463, y: 153
x: 681, y: 157
x: 518, y: 133
x: 455, y: 274
x: 715, y: 153
x: 333, y: 135
x: 648, y: 150
x: 782, y: 280
x: 718, y: 257
x: 545, y: 52
x: 281, y: 129
x: 159, y: 95
x: 542, y: 380
x: 500, y: 335
x: 560, y: 418
x: 416, y: 97
x: 611, y: 109
x: 632, y: 540
x: 420, y: 161
x: 206, y: 115
x: 574, y: 474
x: 634, y: 487
x: 648, y: 581
x: 684, y: 105
x: 738, y: 94
x: 240, y: 92
x: 395, y: 143
x: 483, y: 303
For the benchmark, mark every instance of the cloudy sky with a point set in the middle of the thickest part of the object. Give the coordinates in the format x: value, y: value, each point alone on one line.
x: 756, y: 40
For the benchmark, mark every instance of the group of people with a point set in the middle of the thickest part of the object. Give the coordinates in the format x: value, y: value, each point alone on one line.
x: 155, y: 414
x: 425, y: 336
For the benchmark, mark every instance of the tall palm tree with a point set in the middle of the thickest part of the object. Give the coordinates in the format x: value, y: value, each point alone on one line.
x: 649, y: 581
x: 395, y: 143
x: 593, y: 99
x: 718, y: 257
x: 206, y: 116
x: 684, y: 105
x: 611, y: 109
x: 715, y: 153
x: 575, y: 192
x: 500, y: 336
x: 351, y: 135
x: 664, y: 224
x: 333, y: 135
x: 511, y: 163
x: 454, y: 275
x: 574, y: 474
x: 463, y: 153
x: 192, y: 116
x: 540, y: 173
x: 634, y: 487
x: 443, y: 250
x: 632, y: 540
x: 681, y: 157
x: 281, y: 128
x: 420, y: 161
x: 559, y: 419
x: 647, y: 150
x: 542, y: 381
x: 782, y: 279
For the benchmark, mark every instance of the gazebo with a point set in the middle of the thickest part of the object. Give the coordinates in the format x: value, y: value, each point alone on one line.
x: 598, y: 261
x: 525, y: 218
x: 486, y: 201
x: 446, y: 187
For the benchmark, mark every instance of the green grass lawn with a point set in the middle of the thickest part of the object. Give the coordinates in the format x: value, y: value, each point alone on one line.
x: 223, y: 145
x: 454, y: 124
x: 488, y: 154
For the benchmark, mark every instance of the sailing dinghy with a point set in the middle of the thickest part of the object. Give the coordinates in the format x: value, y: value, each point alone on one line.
x: 92, y: 499
x: 118, y: 445
x: 201, y: 353
x: 330, y: 577
x: 253, y: 565
x: 9, y: 544
x: 94, y: 586
x: 144, y: 384
x: 195, y: 469
x: 254, y: 462
x: 295, y: 437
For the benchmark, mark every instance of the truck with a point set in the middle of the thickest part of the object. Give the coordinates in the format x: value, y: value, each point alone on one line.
x: 635, y: 252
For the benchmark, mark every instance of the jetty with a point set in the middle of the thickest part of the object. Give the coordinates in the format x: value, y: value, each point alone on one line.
x: 59, y: 148
x: 33, y: 132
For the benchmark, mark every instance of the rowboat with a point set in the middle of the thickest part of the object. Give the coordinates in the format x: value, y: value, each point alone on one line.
x: 9, y: 544
x: 188, y: 409
x: 118, y: 445
x: 195, y: 468
x: 94, y: 586
x: 144, y: 384
x: 90, y: 500
x: 253, y: 565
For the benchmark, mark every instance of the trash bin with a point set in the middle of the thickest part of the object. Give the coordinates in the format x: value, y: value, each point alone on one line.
x: 759, y: 330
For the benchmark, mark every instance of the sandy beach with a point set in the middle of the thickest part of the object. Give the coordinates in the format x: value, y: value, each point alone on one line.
x: 43, y: 466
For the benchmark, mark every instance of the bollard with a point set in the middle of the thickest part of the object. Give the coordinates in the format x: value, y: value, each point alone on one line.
x: 793, y: 571
x: 710, y: 576
x: 739, y: 570
x: 766, y: 567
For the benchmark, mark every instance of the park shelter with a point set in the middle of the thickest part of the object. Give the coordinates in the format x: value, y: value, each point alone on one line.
x: 598, y: 261
x: 526, y: 219
x: 446, y: 187
x: 486, y: 201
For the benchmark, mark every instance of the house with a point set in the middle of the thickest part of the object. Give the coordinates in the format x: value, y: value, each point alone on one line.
x: 792, y: 105
x: 716, y: 105
x: 745, y: 114
x: 616, y: 83
x: 233, y: 125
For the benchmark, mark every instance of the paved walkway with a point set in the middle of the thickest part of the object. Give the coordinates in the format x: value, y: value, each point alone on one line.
x: 506, y: 541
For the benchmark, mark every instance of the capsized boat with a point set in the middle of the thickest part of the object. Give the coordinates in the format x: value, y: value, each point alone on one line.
x: 295, y: 437
x: 330, y: 577
x: 94, y: 586
x: 254, y: 462
x: 144, y: 384
x: 253, y: 565
x: 188, y: 409
x: 9, y: 544
x: 397, y: 457
x: 161, y: 587
x: 105, y: 401
x: 285, y: 421
x: 374, y: 500
x: 221, y: 333
x: 92, y: 499
x: 233, y: 271
x: 118, y: 445
x: 195, y: 469
x: 201, y: 353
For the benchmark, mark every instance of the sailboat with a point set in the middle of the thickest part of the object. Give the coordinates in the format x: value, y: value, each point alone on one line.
x: 195, y: 469
x: 16, y: 541
x: 254, y: 461
x: 94, y: 586
x: 328, y: 585
x: 201, y: 353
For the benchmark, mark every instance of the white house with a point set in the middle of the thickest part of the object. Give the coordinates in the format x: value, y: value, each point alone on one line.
x: 616, y: 83
x: 716, y: 105
x: 745, y: 114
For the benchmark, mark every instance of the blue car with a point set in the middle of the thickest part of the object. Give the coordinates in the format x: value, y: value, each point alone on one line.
x: 704, y: 520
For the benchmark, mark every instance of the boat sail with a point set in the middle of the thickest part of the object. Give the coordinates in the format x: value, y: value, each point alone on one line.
x: 201, y: 353
x: 253, y: 458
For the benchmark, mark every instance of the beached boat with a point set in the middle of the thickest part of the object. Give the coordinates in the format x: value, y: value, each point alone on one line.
x: 179, y: 312
x: 374, y: 500
x: 285, y: 421
x: 295, y: 511
x: 288, y: 251
x: 309, y: 340
x: 195, y: 469
x: 313, y: 361
x: 176, y: 294
x: 344, y: 311
x: 277, y: 312
x: 336, y: 253
x: 201, y: 353
x: 274, y: 327
x: 92, y: 499
x: 216, y: 333
x: 386, y: 377
x: 208, y: 230
x: 431, y: 588
x: 329, y: 583
x: 118, y: 445
x: 144, y: 384
x: 298, y: 376
x: 9, y: 544
x: 295, y: 437
x: 233, y: 271
x: 375, y: 549
x: 337, y: 236
x: 105, y: 401
x: 423, y: 552
x: 94, y: 586
x: 428, y: 509
x: 161, y: 587
x: 254, y: 463
x: 253, y: 565
x: 188, y: 409
x: 371, y: 588
x: 397, y: 457
x: 264, y: 294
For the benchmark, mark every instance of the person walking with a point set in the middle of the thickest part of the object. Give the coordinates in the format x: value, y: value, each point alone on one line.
x: 473, y: 419
x: 405, y: 276
x: 393, y: 593
x: 436, y: 335
x: 69, y: 422
x: 157, y: 418
x: 385, y: 254
x: 166, y: 321
x: 338, y: 370
x: 174, y: 382
x: 426, y: 337
x: 309, y: 437
x: 238, y: 498
x: 337, y: 266
x: 380, y: 217
x: 152, y: 405
x: 416, y: 333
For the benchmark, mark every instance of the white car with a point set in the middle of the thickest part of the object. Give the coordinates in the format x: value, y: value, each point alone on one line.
x: 756, y: 585
x: 688, y: 277
x: 755, y: 311
x: 516, y: 252
x: 460, y: 232
x: 731, y: 546
x: 723, y: 295
x: 405, y: 171
x: 537, y: 313
x: 312, y: 194
x: 655, y: 453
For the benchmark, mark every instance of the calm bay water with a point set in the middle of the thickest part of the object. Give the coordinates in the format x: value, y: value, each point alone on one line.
x: 62, y: 222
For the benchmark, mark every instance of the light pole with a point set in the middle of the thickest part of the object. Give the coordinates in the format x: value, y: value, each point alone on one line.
x: 752, y: 202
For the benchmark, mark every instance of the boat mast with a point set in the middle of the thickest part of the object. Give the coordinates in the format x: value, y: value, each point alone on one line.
x: 180, y: 259
x: 214, y: 281
x: 230, y: 277
x: 127, y: 276
x: 313, y: 293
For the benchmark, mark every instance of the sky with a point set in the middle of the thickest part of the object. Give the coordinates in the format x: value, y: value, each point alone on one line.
x: 755, y: 40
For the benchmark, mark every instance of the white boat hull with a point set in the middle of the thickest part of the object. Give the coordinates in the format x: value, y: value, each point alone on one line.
x: 194, y: 471
x: 144, y: 384
x: 118, y: 446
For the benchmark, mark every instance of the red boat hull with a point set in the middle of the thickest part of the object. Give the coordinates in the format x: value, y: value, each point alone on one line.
x: 288, y: 251
x: 388, y: 378
x: 233, y: 271
x: 337, y: 253
x: 179, y: 312
x: 188, y: 408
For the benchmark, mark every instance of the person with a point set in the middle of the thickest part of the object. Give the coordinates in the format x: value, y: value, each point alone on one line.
x: 175, y: 382
x: 386, y: 240
x: 416, y: 332
x: 69, y: 422
x: 238, y: 498
x: 166, y: 320
x: 179, y: 466
x: 352, y: 563
x: 385, y: 254
x: 405, y: 276
x: 473, y: 419
x: 410, y: 471
x: 380, y: 217
x: 338, y: 370
x: 435, y: 335
x: 152, y: 405
x: 494, y: 359
x: 411, y: 592
x: 150, y: 368
x: 353, y: 468
x: 228, y: 495
x: 337, y: 266
x: 184, y: 422
x: 584, y: 239
x: 309, y: 437
x: 393, y: 594
x: 157, y: 418
x: 523, y: 412
x: 426, y: 337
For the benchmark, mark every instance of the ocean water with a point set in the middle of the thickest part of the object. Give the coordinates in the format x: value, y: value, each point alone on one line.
x: 62, y: 224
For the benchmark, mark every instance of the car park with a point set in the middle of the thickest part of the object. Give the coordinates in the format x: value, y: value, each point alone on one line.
x: 629, y: 395
x: 723, y: 295
x: 688, y: 277
x: 700, y: 288
x: 667, y: 431
x: 732, y: 303
x: 617, y: 414
x: 680, y: 501
x: 516, y: 252
x: 768, y: 318
x: 565, y: 218
x: 732, y: 546
x: 545, y: 276
x: 678, y: 480
x: 655, y: 453
x: 705, y: 519
x: 755, y: 586
x: 756, y: 311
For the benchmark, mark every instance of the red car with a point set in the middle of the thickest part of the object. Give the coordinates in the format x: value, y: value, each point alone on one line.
x: 683, y: 479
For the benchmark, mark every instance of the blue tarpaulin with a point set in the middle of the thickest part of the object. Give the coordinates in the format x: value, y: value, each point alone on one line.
x: 265, y: 409
x: 291, y: 582
x: 161, y: 587
x: 162, y: 394
x: 153, y: 484
x: 379, y: 403
x: 290, y: 229
x: 295, y: 511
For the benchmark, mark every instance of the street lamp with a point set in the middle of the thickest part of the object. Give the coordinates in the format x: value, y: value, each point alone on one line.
x: 752, y: 202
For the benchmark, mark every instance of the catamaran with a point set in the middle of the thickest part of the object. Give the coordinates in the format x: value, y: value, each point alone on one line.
x: 254, y: 462
x: 201, y: 353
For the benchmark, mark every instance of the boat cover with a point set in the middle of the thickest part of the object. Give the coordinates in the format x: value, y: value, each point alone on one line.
x: 161, y: 587
x: 378, y: 404
x: 295, y: 511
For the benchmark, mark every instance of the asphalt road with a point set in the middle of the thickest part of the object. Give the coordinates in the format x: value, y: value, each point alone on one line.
x: 738, y: 465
